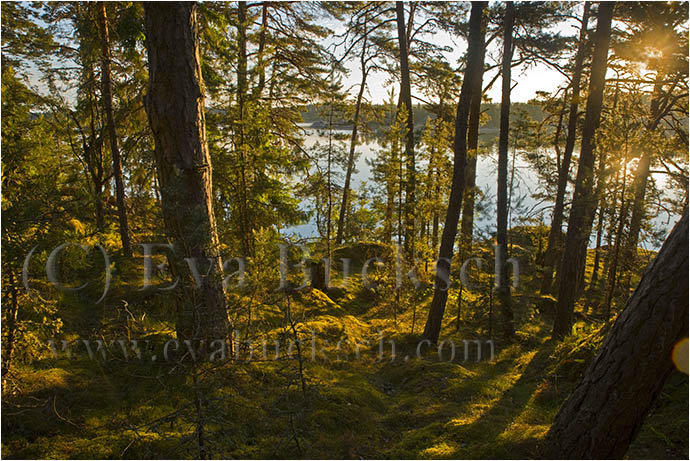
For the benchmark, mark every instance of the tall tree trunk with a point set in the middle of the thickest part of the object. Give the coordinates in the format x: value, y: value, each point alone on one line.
x: 92, y: 145
x: 241, y: 144
x: 641, y: 176
x: 604, y: 413
x: 467, y: 220
x: 432, y: 328
x: 613, y: 268
x: 112, y: 132
x: 388, y: 215
x: 329, y: 202
x: 406, y: 100
x: 555, y: 234
x: 428, y: 215
x: 353, y: 144
x: 175, y: 108
x: 467, y: 225
x: 502, y: 284
x: 584, y: 198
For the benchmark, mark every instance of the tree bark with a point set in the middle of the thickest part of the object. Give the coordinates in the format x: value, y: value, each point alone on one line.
x: 353, y: 144
x: 241, y: 144
x: 584, y: 197
x: 555, y: 234
x: 467, y: 225
x: 502, y: 285
x: 603, y: 415
x: 112, y: 132
x: 432, y: 328
x: 406, y: 101
x: 175, y: 108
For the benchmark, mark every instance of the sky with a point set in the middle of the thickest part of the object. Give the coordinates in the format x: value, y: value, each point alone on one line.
x: 527, y: 81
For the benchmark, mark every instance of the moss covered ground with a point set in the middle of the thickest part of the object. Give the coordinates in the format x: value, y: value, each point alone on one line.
x: 345, y: 403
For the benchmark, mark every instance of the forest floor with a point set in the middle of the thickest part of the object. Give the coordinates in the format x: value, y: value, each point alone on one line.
x: 347, y: 407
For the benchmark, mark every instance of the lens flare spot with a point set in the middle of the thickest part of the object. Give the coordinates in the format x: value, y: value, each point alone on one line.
x: 680, y: 355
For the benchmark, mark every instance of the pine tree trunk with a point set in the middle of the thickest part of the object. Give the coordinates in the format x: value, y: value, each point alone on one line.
x: 641, y: 176
x: 604, y: 413
x: 429, y: 195
x: 175, y: 108
x: 406, y: 100
x: 613, y: 268
x: 502, y: 285
x: 555, y: 234
x: 584, y: 196
x: 435, y: 220
x: 329, y: 191
x: 353, y: 144
x: 432, y: 328
x: 112, y: 132
x: 241, y: 143
x: 467, y: 225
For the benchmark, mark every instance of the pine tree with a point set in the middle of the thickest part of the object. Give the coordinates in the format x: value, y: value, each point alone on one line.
x: 502, y: 284
x: 432, y: 328
x: 625, y: 375
x: 112, y: 130
x: 551, y: 254
x: 184, y: 165
x: 582, y: 208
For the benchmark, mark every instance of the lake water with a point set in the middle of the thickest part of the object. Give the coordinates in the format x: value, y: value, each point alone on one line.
x: 525, y: 184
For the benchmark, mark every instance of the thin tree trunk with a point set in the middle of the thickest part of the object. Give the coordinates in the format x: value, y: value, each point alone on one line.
x: 641, y: 176
x: 329, y: 206
x: 93, y: 149
x: 584, y: 198
x: 502, y: 285
x: 605, y: 412
x: 613, y: 268
x: 388, y: 218
x: 429, y: 197
x: 175, y: 108
x: 432, y: 328
x: 555, y: 234
x: 601, y: 185
x: 406, y: 100
x: 112, y: 132
x: 241, y: 145
x: 353, y: 144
